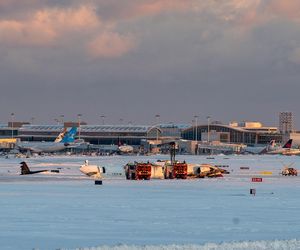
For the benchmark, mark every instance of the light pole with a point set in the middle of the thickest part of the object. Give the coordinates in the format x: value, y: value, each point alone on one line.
x: 157, y: 125
x: 196, y: 133
x: 62, y: 119
x: 208, y: 132
x: 193, y: 127
x: 196, y: 129
x: 103, y: 119
x: 79, y: 128
x: 12, y: 125
x: 121, y: 121
x: 32, y: 120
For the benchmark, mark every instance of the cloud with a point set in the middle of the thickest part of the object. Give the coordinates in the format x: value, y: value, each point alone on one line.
x: 32, y: 33
x: 133, y: 9
x: 130, y: 9
x: 295, y: 56
x: 110, y: 45
x: 47, y: 26
x: 100, y: 25
x: 5, y: 3
x: 146, y: 8
x: 186, y: 48
x: 288, y: 8
x: 66, y: 27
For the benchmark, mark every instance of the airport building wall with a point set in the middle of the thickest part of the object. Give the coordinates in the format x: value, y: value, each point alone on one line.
x: 93, y: 134
x: 235, y: 134
x: 7, y: 131
x: 295, y: 136
x: 286, y: 122
x: 133, y: 134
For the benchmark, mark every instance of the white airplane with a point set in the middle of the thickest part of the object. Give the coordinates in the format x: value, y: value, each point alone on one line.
x: 92, y: 170
x: 286, y: 149
x: 64, y: 140
x: 260, y: 150
x: 125, y: 149
x: 61, y: 135
x: 272, y: 149
x: 291, y: 151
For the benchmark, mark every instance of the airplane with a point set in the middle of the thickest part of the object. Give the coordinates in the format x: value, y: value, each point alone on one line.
x: 125, y: 149
x: 260, y: 150
x: 272, y: 149
x: 208, y: 170
x: 286, y: 149
x: 291, y: 151
x: 68, y: 140
x: 61, y: 135
x: 116, y: 149
x: 92, y: 170
x: 25, y: 170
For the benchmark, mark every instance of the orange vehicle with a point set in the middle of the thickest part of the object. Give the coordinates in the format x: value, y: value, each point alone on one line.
x: 138, y: 171
x: 177, y: 170
x: 289, y: 172
x: 180, y: 170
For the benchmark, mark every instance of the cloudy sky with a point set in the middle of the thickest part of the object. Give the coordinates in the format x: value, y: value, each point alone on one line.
x: 133, y: 59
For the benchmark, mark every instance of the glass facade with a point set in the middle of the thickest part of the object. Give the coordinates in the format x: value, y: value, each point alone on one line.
x: 237, y: 135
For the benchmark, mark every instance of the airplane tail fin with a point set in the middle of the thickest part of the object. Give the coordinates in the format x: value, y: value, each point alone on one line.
x: 70, y: 136
x: 267, y: 148
x: 24, y: 168
x: 288, y: 144
x: 272, y: 143
x: 61, y: 135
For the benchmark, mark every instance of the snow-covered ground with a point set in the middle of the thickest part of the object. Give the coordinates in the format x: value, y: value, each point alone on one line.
x: 67, y: 211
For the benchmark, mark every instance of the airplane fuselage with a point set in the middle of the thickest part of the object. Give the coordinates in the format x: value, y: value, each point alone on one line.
x: 38, y: 147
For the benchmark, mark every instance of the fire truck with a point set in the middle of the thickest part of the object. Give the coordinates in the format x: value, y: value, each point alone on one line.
x: 177, y: 170
x: 138, y: 171
x: 289, y: 172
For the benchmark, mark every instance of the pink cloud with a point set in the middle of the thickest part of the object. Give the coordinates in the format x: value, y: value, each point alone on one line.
x: 26, y: 34
x: 65, y: 26
x: 94, y: 25
x: 286, y: 8
x: 131, y: 9
x: 68, y: 19
x: 158, y: 6
x: 110, y: 45
x: 46, y: 26
x: 5, y: 3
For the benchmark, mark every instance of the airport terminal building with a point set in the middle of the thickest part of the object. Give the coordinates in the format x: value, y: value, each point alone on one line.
x: 93, y: 134
x: 248, y: 133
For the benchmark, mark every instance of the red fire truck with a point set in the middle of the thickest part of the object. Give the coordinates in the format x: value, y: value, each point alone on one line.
x: 138, y: 171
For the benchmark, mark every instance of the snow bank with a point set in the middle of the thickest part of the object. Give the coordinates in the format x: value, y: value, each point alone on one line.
x: 253, y: 245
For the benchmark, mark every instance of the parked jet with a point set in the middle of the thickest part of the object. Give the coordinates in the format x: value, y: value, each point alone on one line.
x: 291, y: 151
x: 286, y: 149
x: 260, y: 150
x: 61, y: 135
x: 272, y: 149
x: 25, y: 169
x: 92, y: 170
x: 125, y: 149
x: 68, y: 140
